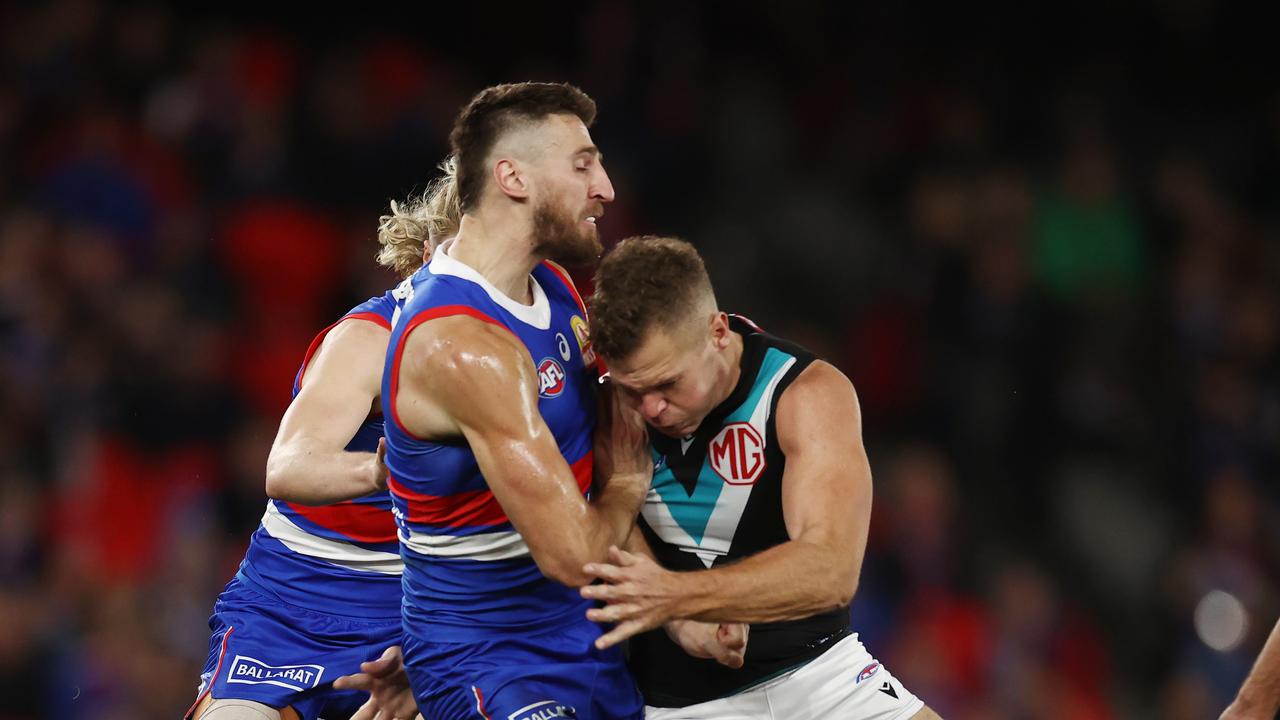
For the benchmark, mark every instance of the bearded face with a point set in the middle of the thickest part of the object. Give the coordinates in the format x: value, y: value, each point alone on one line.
x: 566, y: 236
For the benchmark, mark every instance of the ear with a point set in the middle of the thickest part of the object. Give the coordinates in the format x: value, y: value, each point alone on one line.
x: 510, y: 178
x: 720, y: 330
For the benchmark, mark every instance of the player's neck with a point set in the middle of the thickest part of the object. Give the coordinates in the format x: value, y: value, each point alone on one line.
x: 733, y: 370
x: 500, y: 249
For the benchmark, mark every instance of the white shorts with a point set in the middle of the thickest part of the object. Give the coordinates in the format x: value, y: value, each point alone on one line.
x: 843, y: 683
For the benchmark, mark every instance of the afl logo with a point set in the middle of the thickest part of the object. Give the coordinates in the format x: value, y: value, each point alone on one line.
x: 867, y: 672
x: 550, y: 378
x: 737, y: 454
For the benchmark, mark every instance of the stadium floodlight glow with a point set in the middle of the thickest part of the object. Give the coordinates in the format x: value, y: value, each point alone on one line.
x: 1221, y: 620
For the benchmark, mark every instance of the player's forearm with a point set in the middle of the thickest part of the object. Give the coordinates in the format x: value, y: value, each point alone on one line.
x: 308, y: 475
x: 794, y: 580
x: 607, y: 520
x: 585, y: 530
x: 616, y: 507
x: 1260, y: 693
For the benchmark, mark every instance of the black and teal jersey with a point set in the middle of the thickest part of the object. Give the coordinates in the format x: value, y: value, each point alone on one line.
x: 717, y: 498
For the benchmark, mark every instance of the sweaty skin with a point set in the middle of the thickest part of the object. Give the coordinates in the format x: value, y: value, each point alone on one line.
x: 465, y: 377
x: 308, y: 463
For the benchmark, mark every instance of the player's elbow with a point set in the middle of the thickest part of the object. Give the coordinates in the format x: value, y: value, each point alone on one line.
x: 564, y: 569
x: 841, y: 589
x: 277, y: 486
x: 280, y: 483
x: 563, y: 561
x: 843, y: 593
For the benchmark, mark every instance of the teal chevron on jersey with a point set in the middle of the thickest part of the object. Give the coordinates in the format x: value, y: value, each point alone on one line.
x: 706, y: 517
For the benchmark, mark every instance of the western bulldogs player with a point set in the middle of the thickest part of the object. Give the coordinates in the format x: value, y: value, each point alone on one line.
x: 759, y: 508
x: 319, y: 588
x: 489, y: 395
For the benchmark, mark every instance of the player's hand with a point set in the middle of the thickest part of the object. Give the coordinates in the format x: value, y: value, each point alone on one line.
x: 390, y: 697
x: 639, y: 595
x: 380, y: 471
x: 726, y: 643
x: 621, y: 440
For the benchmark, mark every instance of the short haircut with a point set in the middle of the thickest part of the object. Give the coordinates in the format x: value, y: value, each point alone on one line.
x: 645, y: 282
x: 497, y: 110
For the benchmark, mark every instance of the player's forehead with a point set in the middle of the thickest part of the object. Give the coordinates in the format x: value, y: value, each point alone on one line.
x: 561, y: 135
x: 552, y: 136
x: 659, y: 357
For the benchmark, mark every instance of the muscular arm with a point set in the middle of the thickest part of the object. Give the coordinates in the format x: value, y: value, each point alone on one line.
x: 308, y: 463
x: 1259, y: 697
x: 826, y: 504
x: 462, y: 376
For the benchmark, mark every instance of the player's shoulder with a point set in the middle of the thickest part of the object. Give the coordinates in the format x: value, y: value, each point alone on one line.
x: 470, y: 342
x: 819, y: 377
x: 358, y: 329
x: 817, y: 386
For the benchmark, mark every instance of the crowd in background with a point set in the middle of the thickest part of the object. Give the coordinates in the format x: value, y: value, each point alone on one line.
x: 1052, y: 273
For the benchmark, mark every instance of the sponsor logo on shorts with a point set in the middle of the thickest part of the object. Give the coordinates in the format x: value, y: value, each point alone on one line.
x: 868, y: 672
x: 252, y: 671
x: 544, y: 710
x: 550, y: 378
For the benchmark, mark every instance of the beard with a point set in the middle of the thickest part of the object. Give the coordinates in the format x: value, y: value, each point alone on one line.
x: 560, y: 237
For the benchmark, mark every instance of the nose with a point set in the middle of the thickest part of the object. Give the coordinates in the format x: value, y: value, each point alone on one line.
x: 601, y: 186
x: 651, y: 406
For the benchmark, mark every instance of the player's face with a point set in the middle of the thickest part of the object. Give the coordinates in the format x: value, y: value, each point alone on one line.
x: 571, y: 189
x: 671, y: 379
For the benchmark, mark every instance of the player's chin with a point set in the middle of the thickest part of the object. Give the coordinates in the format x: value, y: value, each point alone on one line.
x: 672, y: 431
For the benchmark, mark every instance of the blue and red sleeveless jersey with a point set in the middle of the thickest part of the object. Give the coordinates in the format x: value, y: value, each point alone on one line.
x: 468, y: 572
x: 342, y: 558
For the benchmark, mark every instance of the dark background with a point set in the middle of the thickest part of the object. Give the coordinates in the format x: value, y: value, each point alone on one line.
x: 1043, y: 242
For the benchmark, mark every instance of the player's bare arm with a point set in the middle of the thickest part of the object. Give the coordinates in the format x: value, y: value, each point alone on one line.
x: 1259, y: 696
x: 308, y: 463
x: 726, y: 643
x: 464, y: 377
x: 826, y: 495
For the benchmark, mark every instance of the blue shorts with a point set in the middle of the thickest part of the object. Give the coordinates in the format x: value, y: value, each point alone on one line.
x: 555, y: 674
x: 281, y: 655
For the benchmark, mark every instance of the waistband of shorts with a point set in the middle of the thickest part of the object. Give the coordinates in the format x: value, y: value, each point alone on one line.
x: 461, y: 633
x: 363, y: 615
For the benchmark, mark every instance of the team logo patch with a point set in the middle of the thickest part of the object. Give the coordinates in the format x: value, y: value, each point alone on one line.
x: 544, y: 710
x: 737, y: 454
x: 252, y: 671
x: 868, y: 672
x: 550, y: 378
x: 583, y: 335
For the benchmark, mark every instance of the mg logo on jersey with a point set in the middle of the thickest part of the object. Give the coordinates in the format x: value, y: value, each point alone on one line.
x: 550, y: 378
x: 737, y: 454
